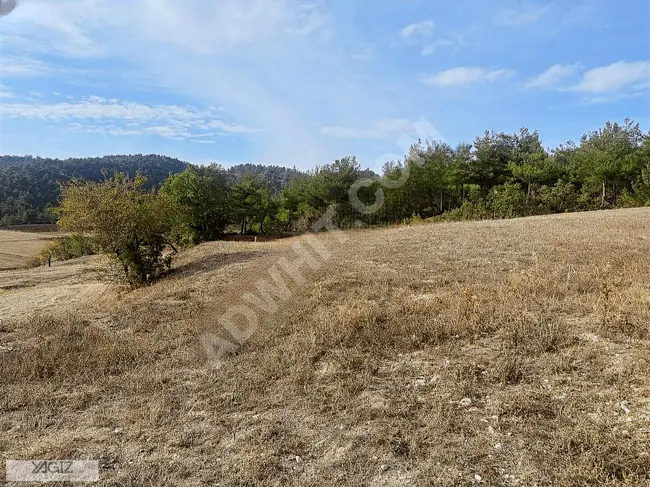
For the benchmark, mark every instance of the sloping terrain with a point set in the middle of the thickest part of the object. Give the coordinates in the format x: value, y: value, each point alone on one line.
x: 16, y: 248
x: 501, y: 353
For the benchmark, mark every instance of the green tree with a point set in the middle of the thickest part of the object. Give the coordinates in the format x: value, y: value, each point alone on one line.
x: 123, y: 220
x: 251, y: 201
x: 606, y: 158
x: 493, y: 153
x: 201, y: 196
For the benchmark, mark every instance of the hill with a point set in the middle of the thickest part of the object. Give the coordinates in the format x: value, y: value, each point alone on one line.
x: 496, y: 353
x: 30, y: 185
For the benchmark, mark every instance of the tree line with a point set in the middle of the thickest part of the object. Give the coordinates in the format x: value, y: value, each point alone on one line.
x: 498, y: 175
x: 30, y: 187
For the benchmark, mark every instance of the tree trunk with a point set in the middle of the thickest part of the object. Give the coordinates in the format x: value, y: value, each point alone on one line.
x: 243, y: 224
x: 602, y: 201
x: 528, y: 194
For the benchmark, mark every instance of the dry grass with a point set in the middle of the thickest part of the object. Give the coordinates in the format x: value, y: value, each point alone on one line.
x: 509, y: 353
x: 17, y: 248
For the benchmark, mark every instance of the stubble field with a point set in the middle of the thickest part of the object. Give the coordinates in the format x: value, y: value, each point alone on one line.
x: 17, y: 248
x: 500, y: 353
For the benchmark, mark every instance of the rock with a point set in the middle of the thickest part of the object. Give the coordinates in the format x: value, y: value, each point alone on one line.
x: 384, y: 468
x: 498, y: 446
x: 625, y: 407
x: 299, y: 459
x: 466, y: 402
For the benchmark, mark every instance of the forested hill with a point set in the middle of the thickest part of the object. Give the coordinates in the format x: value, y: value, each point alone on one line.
x: 277, y: 177
x: 30, y: 185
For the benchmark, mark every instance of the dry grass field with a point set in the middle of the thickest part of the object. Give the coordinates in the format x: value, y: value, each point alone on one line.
x: 496, y: 353
x: 18, y: 247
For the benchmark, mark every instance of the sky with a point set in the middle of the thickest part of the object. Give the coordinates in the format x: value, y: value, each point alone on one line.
x: 304, y: 82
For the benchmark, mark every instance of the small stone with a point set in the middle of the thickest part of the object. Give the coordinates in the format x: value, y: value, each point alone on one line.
x: 478, y: 478
x: 298, y: 459
x: 466, y: 402
x: 117, y: 430
x: 624, y: 407
x: 384, y: 468
x: 498, y: 446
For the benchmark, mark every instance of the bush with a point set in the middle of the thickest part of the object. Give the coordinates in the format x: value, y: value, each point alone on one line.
x: 126, y: 222
x: 65, y: 248
x: 468, y: 211
x: 559, y: 198
x: 508, y: 201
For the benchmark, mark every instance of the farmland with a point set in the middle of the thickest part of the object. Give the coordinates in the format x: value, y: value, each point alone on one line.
x: 18, y: 247
x: 499, y: 353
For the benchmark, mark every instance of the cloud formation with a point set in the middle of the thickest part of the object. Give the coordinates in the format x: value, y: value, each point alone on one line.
x: 524, y: 14
x: 622, y: 75
x: 98, y: 115
x: 466, y: 76
x: 418, y: 29
x: 552, y: 77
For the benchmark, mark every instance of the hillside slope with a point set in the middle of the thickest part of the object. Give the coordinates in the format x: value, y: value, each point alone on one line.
x: 30, y: 185
x: 496, y: 353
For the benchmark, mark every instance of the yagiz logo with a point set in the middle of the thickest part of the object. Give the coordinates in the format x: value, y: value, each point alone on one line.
x: 46, y: 467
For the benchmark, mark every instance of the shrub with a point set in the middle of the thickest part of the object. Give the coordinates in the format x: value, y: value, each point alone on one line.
x: 66, y: 248
x: 124, y: 221
x: 508, y: 201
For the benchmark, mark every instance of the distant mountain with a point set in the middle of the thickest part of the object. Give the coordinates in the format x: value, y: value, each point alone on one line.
x: 30, y: 185
x: 277, y: 176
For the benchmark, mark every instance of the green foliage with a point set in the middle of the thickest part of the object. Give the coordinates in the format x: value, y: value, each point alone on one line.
x: 507, y: 201
x: 498, y: 176
x: 123, y: 220
x: 200, y: 197
x: 251, y: 202
x: 559, y: 198
x: 30, y: 186
x: 276, y: 177
x: 66, y: 248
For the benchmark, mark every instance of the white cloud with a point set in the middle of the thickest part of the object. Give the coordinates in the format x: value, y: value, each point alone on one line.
x: 525, y: 14
x: 433, y: 47
x: 277, y: 64
x: 98, y: 115
x: 363, y: 53
x: 421, y: 29
x: 612, y: 98
x: 12, y: 67
x: 622, y: 75
x: 381, y: 129
x: 465, y: 76
x: 552, y: 77
x: 6, y: 92
x: 86, y: 28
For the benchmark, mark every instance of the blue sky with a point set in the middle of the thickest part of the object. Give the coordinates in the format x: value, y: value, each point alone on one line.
x: 302, y: 82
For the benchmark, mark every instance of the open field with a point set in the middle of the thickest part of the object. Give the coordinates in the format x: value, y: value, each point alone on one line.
x: 497, y: 353
x: 17, y: 247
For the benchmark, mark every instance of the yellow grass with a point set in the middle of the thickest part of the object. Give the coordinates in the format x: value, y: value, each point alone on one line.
x: 17, y: 248
x: 500, y: 353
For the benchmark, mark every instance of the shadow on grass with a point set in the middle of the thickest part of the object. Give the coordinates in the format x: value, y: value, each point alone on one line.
x: 214, y: 262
